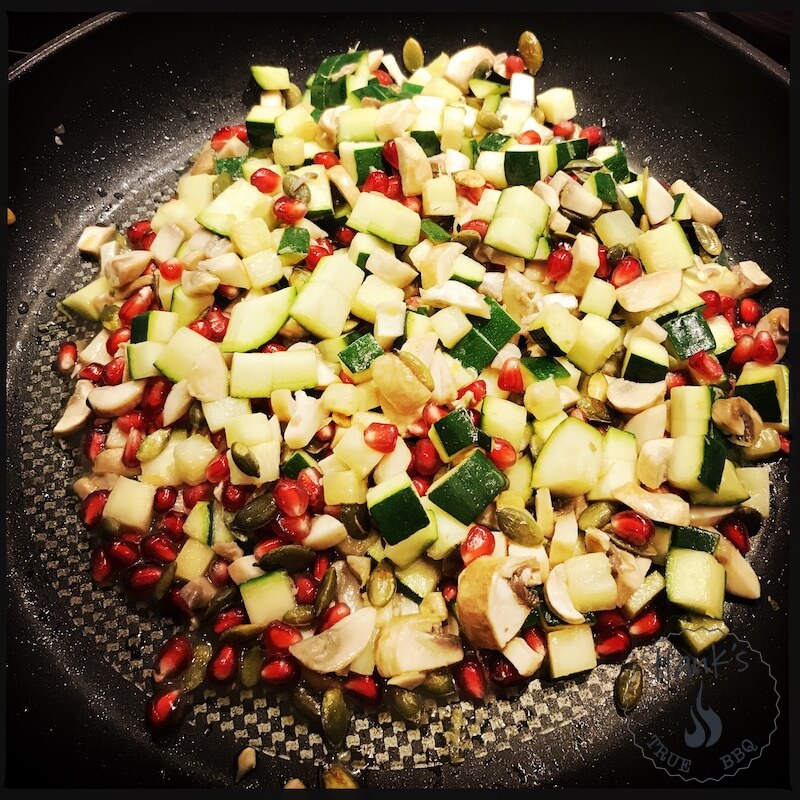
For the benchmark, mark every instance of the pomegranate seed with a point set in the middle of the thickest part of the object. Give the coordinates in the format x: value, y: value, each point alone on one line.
x: 162, y: 711
x: 173, y: 658
x: 279, y: 636
x: 502, y: 672
x: 326, y: 433
x: 159, y: 548
x: 92, y: 372
x: 280, y: 670
x: 432, y: 413
x: 227, y: 132
x: 743, y: 330
x: 331, y: 616
x: 394, y: 188
x: 266, y: 180
x: 786, y: 443
x: 194, y: 494
x: 135, y: 438
x: 477, y: 390
x: 534, y: 638
x: 712, y: 303
x: 117, y: 338
x: 155, y: 394
x: 288, y: 210
x: 529, y: 137
x: 273, y: 347
x: 470, y: 677
x: 320, y: 567
x: 92, y: 506
x: 224, y: 664
x: 705, y: 367
x: 514, y: 64
x: 171, y: 269
x: 147, y: 241
x: 608, y: 620
x: 327, y: 159
x: 293, y: 529
x: 381, y: 436
x: 421, y: 485
x: 233, y: 497
x: 218, y: 572
x: 449, y: 589
x: 315, y: 253
x: 136, y: 304
x: 376, y: 181
x: 172, y: 525
x: 136, y: 233
x: 603, y: 268
x: 133, y: 419
x: 565, y: 128
x: 217, y: 470
x: 594, y: 133
x: 510, y: 378
x: 131, y: 536
x: 473, y: 194
x: 228, y: 618
x: 742, y: 352
x: 503, y: 454
x: 478, y: 225
x: 628, y: 269
x: 735, y: 531
x: 67, y: 358
x: 200, y: 326
x: 646, y: 625
x: 122, y: 553
x: 310, y: 480
x: 750, y: 311
x: 613, y: 645
x: 143, y: 577
x: 633, y: 527
x: 306, y: 586
x: 384, y: 78
x: 94, y: 443
x: 559, y: 263
x: 164, y: 499
x: 764, y: 349
x: 673, y: 379
x: 218, y: 323
x: 114, y: 372
x: 425, y: 458
x: 100, y: 566
x: 344, y: 236
x: 290, y: 497
x: 365, y: 688
x: 177, y: 603
x: 389, y: 153
x: 265, y: 545
x: 479, y: 542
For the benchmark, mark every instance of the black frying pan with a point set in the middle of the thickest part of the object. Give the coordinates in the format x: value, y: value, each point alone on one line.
x: 136, y: 95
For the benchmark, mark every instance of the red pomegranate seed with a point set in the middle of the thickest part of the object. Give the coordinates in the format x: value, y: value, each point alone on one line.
x: 384, y: 78
x: 133, y: 419
x: 421, y: 485
x: 162, y: 711
x: 327, y: 159
x: 177, y: 603
x: 470, y: 677
x: 326, y: 433
x: 155, y: 394
x: 164, y: 499
x: 565, y: 128
x: 502, y: 672
x: 171, y: 269
x: 67, y: 358
x: 306, y: 586
x: 218, y: 323
x: 743, y: 330
x: 741, y: 353
x: 529, y: 137
x: 192, y: 495
x: 293, y: 529
x: 608, y: 620
x: 136, y: 233
x: 218, y: 572
x: 433, y: 413
x: 750, y: 311
x: 279, y: 636
x: 535, y: 639
x: 100, y: 565
x: 228, y: 618
x: 344, y: 236
x: 449, y: 589
x: 224, y: 664
x: 381, y: 436
x: 135, y: 438
x: 131, y: 536
x: 510, y: 378
x: 425, y: 458
x: 594, y: 133
x: 273, y: 347
x: 603, y: 268
x: 320, y: 567
x: 735, y: 531
x: 266, y: 180
x: 290, y: 497
x: 473, y: 194
x: 94, y: 443
x: 92, y: 506
x: 477, y: 390
x: 678, y: 378
x: 233, y: 497
x: 331, y: 616
x: 310, y: 480
x: 365, y: 688
x: 117, y: 338
x: 200, y: 326
x: 559, y: 263
x: 613, y: 645
x: 315, y: 253
x: 786, y: 443
x: 173, y: 657
x: 712, y: 303
x: 123, y: 553
x: 389, y: 153
x: 92, y: 372
x: 288, y: 210
x: 479, y: 542
x: 764, y: 349
x: 227, y: 132
x: 503, y: 454
x: 394, y: 188
x: 628, y: 269
x: 727, y: 307
x: 633, y: 527
x: 159, y: 548
x: 136, y: 304
x: 217, y: 470
x: 376, y: 181
x: 280, y: 670
x: 514, y: 64
x: 172, y: 525
x: 646, y: 625
x: 114, y: 372
x: 143, y: 577
x: 265, y: 545
x: 705, y: 367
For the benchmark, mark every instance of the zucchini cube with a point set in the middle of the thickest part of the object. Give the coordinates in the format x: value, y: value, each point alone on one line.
x: 766, y: 388
x: 453, y: 434
x: 129, y: 505
x: 359, y: 355
x: 688, y: 334
x: 474, y: 350
x: 540, y: 368
x: 396, y: 509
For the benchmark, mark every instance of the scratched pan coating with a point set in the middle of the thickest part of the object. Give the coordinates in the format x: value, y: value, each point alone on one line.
x: 136, y: 96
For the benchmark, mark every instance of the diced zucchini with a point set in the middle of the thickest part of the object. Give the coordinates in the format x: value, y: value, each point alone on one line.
x: 453, y: 434
x: 418, y: 578
x: 570, y: 650
x: 695, y: 580
x: 413, y: 547
x: 267, y: 597
x: 700, y: 632
x: 555, y: 330
x: 193, y: 560
x: 696, y: 463
x: 645, y: 361
x: 689, y: 410
x: 691, y: 537
x: 665, y: 247
x: 766, y: 388
x: 396, y: 509
x: 505, y: 420
x: 256, y: 321
x: 518, y: 222
x: 730, y: 491
x: 650, y: 587
x: 597, y: 340
x: 688, y: 334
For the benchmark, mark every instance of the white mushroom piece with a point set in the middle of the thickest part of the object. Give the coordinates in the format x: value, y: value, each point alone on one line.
x: 740, y: 578
x: 77, y: 413
x: 462, y: 65
x: 114, y: 401
x: 701, y: 210
x: 752, y: 279
x: 556, y: 593
x: 415, y: 643
x: 671, y: 509
x: 652, y: 462
x: 631, y: 397
x: 736, y: 418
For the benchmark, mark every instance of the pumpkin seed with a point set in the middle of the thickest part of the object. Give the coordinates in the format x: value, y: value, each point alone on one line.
x: 615, y: 254
x: 252, y: 661
x: 355, y: 518
x: 165, y: 581
x: 195, y: 673
x: 381, y: 585
x: 628, y: 687
x: 342, y: 420
x: 582, y: 163
x: 438, y: 683
x: 578, y: 220
x: 406, y: 703
x: 530, y: 49
x: 482, y: 70
x: 538, y: 115
x: 470, y: 178
x: 646, y: 551
x: 597, y: 515
x: 293, y: 96
x: 488, y: 120
x: 520, y: 526
x: 221, y: 183
x: 245, y: 632
x: 109, y: 317
x: 256, y: 513
x: 708, y: 238
x: 337, y: 776
x: 295, y: 186
x: 300, y: 615
x: 244, y: 458
x: 595, y: 410
x: 326, y: 593
x: 222, y: 599
x: 289, y: 557
x: 624, y: 202
x: 153, y: 444
x: 306, y: 703
x: 336, y: 716
x: 196, y: 416
x: 413, y: 55
x: 468, y: 238
x: 415, y: 364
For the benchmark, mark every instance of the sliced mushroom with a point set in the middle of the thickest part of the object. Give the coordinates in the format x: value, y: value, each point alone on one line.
x: 521, y: 298
x: 126, y: 267
x: 177, y: 403
x: 740, y: 578
x: 738, y: 419
x: 87, y: 484
x: 651, y: 290
x: 659, y: 506
x: 415, y: 643
x: 525, y: 659
x: 113, y: 401
x: 93, y: 238
x: 348, y: 586
x: 557, y: 595
x: 230, y: 551
x: 462, y: 65
x: 407, y: 680
x: 398, y: 384
x: 631, y: 397
x: 658, y: 202
x: 309, y: 416
x: 596, y: 541
x: 244, y: 568
x: 199, y: 282
x: 709, y: 516
x: 700, y: 208
x: 77, y: 413
x: 336, y: 647
x: 652, y: 462
x: 198, y: 592
x: 776, y: 324
x: 455, y: 293
x: 204, y: 163
x: 752, y: 279
x: 109, y: 462
x: 208, y: 378
x: 96, y: 351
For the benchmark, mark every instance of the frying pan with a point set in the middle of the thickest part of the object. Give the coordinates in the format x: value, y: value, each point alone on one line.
x: 136, y: 95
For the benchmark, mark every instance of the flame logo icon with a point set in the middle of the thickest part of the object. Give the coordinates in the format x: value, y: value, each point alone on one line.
x: 707, y: 724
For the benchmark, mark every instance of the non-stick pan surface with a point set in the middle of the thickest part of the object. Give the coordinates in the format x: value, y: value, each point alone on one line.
x: 136, y: 96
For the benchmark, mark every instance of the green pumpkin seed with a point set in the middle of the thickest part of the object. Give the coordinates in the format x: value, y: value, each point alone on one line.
x: 326, y: 593
x: 195, y: 673
x: 355, y: 518
x: 289, y: 557
x: 165, y: 581
x: 624, y: 202
x: 337, y: 776
x: 413, y: 55
x: 578, y: 220
x: 595, y: 410
x: 530, y: 49
x: 306, y: 703
x: 488, y: 120
x: 153, y: 445
x: 256, y: 513
x: 646, y: 551
x: 293, y: 96
x: 597, y: 515
x: 299, y: 277
x: 628, y: 687
x: 615, y: 254
x: 252, y: 661
x: 416, y: 365
x: 300, y: 615
x: 109, y: 316
x: 468, y: 238
x: 406, y: 703
x: 295, y: 186
x: 221, y: 183
x: 582, y: 163
x: 222, y: 599
x: 438, y: 684
x: 519, y: 525
x: 245, y: 632
x: 708, y: 238
x: 196, y: 416
x: 538, y: 115
x: 381, y: 585
x: 336, y: 716
x: 244, y: 458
